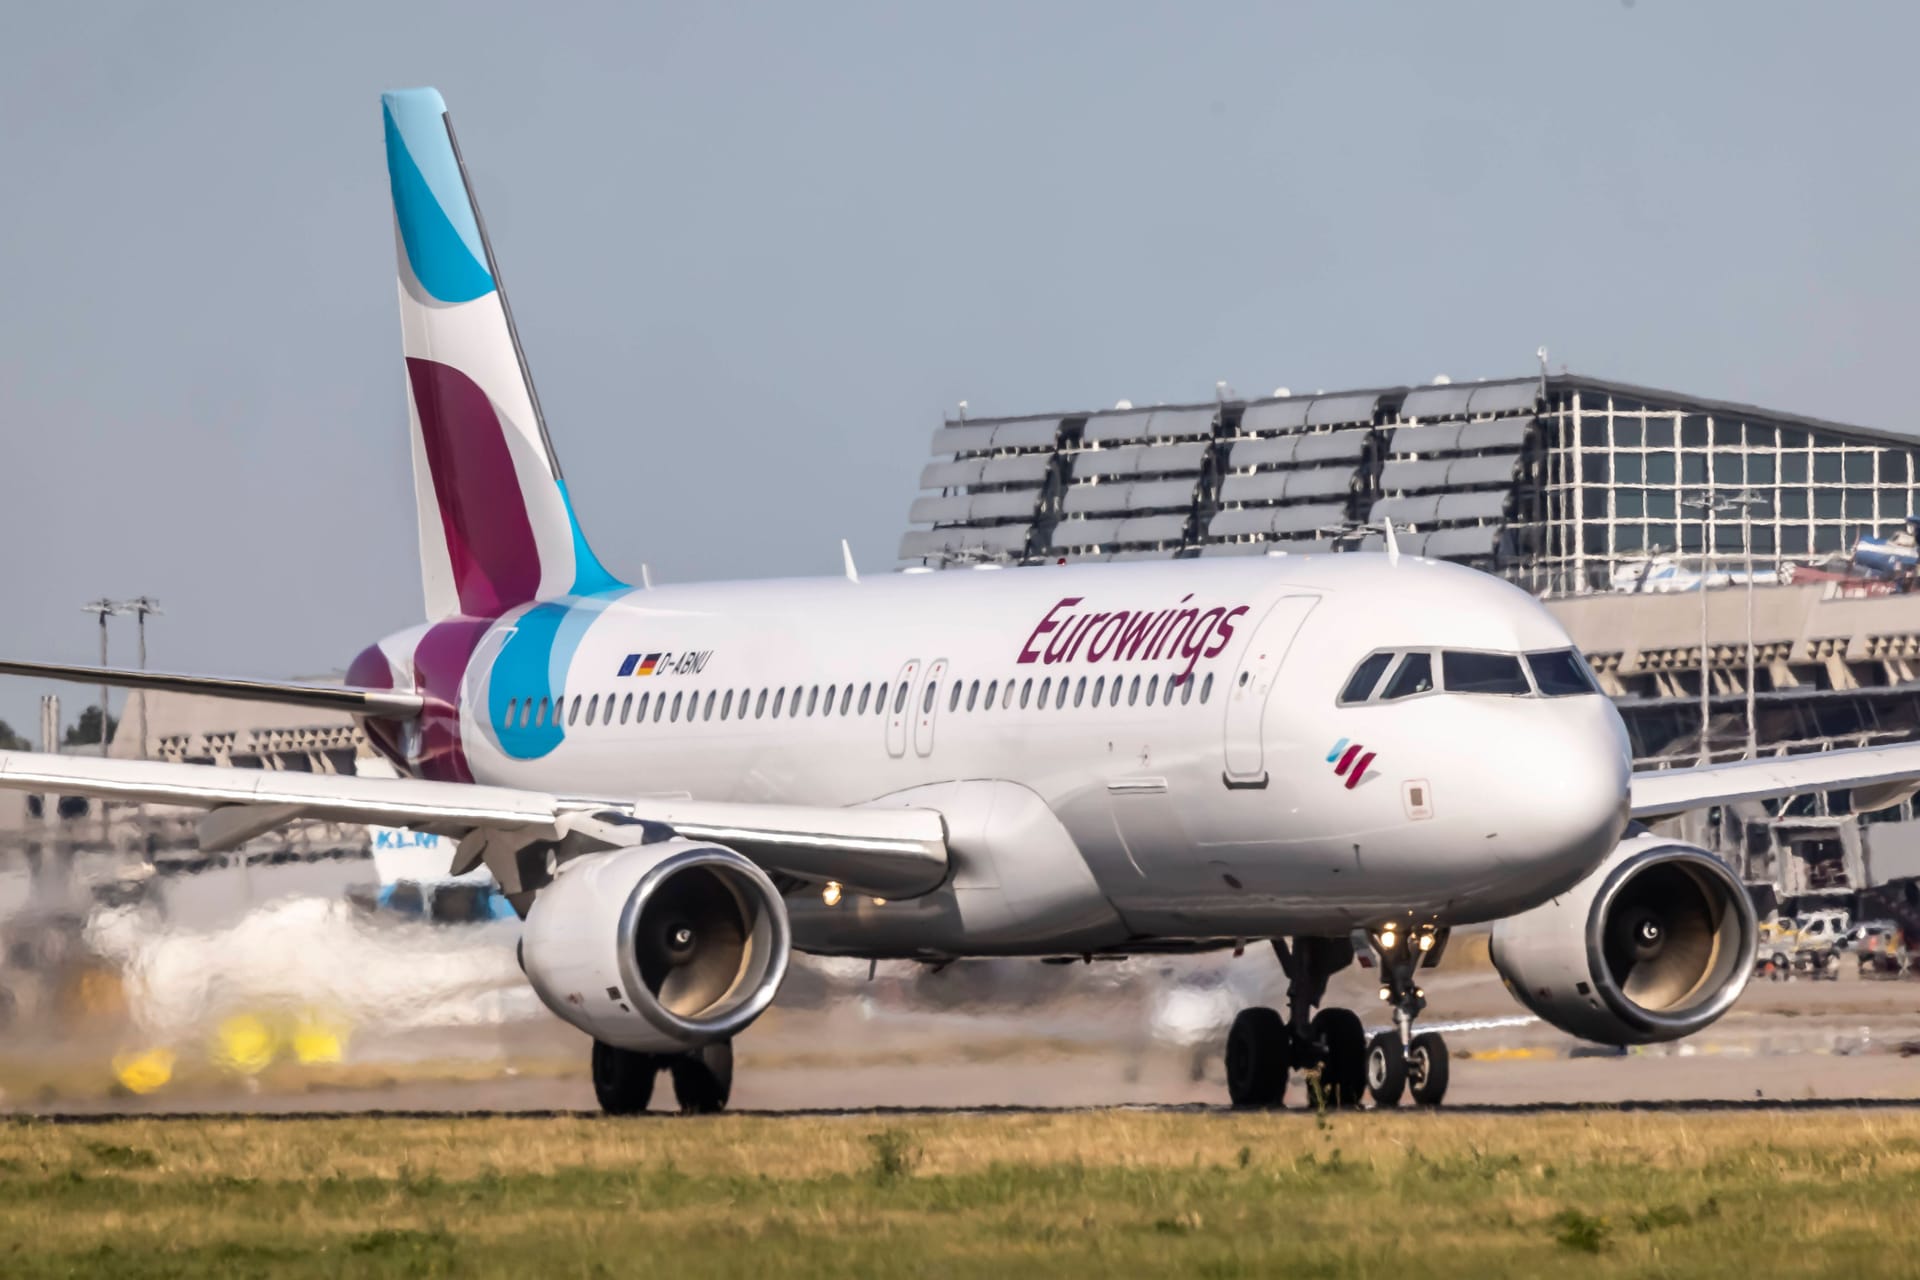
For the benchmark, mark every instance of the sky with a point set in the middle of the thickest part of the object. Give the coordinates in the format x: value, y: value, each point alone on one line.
x: 757, y: 252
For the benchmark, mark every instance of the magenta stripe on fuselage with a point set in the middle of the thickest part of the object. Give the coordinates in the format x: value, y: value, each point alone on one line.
x: 496, y: 563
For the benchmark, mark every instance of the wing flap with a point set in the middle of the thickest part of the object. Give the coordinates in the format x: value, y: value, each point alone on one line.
x: 330, y: 697
x: 1877, y: 772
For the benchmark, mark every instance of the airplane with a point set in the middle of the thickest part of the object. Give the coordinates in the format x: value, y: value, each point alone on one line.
x: 676, y: 786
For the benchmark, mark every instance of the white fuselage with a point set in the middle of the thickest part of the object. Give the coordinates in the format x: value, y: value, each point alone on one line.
x: 1202, y: 802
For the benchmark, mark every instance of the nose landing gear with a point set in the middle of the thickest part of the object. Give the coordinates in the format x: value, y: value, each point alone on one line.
x: 1263, y: 1048
x: 1398, y: 1060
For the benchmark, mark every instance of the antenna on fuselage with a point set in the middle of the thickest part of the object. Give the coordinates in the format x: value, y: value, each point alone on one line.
x: 846, y: 556
x: 1393, y: 544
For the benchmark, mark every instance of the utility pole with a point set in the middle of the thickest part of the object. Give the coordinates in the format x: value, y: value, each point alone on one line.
x: 104, y: 609
x: 141, y: 607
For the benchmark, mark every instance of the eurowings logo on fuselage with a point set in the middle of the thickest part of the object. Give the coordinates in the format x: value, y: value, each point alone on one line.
x: 1132, y: 635
x: 665, y: 664
x: 1352, y: 761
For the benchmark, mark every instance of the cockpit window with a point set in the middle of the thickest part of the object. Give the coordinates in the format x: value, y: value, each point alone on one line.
x: 1365, y: 677
x: 1414, y: 675
x: 1560, y: 673
x: 1483, y: 673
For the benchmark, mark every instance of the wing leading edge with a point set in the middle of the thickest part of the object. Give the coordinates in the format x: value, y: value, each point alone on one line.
x: 887, y: 852
x: 1879, y: 777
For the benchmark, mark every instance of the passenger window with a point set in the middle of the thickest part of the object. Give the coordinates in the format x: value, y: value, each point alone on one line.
x: 659, y: 706
x: 846, y: 700
x: 779, y: 700
x: 973, y: 694
x: 827, y: 708
x: 865, y: 689
x: 1483, y: 673
x: 1006, y: 698
x: 1046, y: 690
x: 1186, y: 689
x: 793, y: 706
x: 933, y: 688
x: 760, y: 705
x: 707, y: 712
x: 1561, y: 673
x: 1413, y: 675
x: 726, y: 705
x: 641, y: 714
x: 900, y: 697
x: 540, y: 717
x: 626, y: 706
x: 1079, y: 690
x: 1100, y: 688
x: 573, y: 712
x: 593, y: 709
x: 676, y: 708
x: 1206, y: 688
x: 992, y: 689
x: 1360, y: 684
x: 526, y: 713
x: 813, y: 699
x: 953, y: 699
x: 1060, y: 695
x: 513, y: 708
x: 1133, y: 693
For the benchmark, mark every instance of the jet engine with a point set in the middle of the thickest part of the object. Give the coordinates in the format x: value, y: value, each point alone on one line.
x: 657, y: 947
x: 1655, y: 944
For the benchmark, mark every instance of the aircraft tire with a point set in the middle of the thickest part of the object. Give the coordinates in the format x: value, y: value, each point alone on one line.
x: 1427, y: 1068
x: 703, y: 1079
x: 623, y: 1079
x: 1386, y: 1069
x: 1343, y: 1071
x: 1257, y: 1056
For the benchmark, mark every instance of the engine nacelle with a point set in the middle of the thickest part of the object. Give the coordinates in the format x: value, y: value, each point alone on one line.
x: 657, y: 947
x: 1655, y: 944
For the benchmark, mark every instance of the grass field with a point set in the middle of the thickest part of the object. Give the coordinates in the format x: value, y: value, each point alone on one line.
x: 1117, y: 1193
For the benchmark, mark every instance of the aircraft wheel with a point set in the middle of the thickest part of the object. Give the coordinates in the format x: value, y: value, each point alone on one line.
x: 1343, y: 1071
x: 623, y: 1079
x: 1386, y: 1069
x: 1427, y: 1068
x: 1257, y: 1059
x: 703, y: 1079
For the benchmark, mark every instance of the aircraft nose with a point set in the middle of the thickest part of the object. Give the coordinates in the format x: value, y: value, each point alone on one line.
x: 1567, y: 794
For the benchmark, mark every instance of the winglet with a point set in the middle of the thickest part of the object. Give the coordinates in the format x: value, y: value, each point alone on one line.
x: 846, y: 555
x: 1393, y: 544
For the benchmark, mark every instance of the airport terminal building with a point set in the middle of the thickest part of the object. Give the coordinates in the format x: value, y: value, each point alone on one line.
x: 1613, y: 503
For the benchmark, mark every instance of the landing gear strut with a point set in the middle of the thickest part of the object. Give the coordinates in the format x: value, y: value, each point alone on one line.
x: 623, y: 1079
x: 1398, y: 1060
x: 1263, y: 1048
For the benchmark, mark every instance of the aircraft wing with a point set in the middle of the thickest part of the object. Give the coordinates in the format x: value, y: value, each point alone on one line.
x: 888, y: 852
x: 1879, y: 776
x: 331, y: 697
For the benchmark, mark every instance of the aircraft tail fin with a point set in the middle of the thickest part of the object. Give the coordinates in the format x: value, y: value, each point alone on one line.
x: 497, y: 527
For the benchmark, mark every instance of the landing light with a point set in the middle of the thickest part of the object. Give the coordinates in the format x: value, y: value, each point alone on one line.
x: 879, y: 902
x: 1383, y: 993
x: 831, y: 894
x: 1426, y: 942
x: 1386, y: 939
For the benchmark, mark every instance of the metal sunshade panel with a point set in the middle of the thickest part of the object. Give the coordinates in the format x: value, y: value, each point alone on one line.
x: 1130, y: 425
x: 1496, y: 433
x: 952, y: 475
x: 1418, y: 508
x: 1339, y: 410
x: 1437, y: 402
x: 1266, y: 416
x: 1504, y: 397
x: 1441, y: 437
x: 1083, y: 533
x: 1488, y: 505
x: 1477, y: 541
x: 1269, y: 486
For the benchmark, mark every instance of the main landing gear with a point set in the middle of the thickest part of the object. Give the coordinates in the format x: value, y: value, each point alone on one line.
x: 623, y: 1079
x: 1331, y: 1046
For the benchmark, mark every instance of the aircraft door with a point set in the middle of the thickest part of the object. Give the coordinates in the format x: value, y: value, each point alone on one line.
x: 1247, y: 691
x: 927, y: 707
x: 900, y: 697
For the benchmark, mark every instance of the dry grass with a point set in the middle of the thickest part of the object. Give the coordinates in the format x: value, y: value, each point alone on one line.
x: 1092, y: 1193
